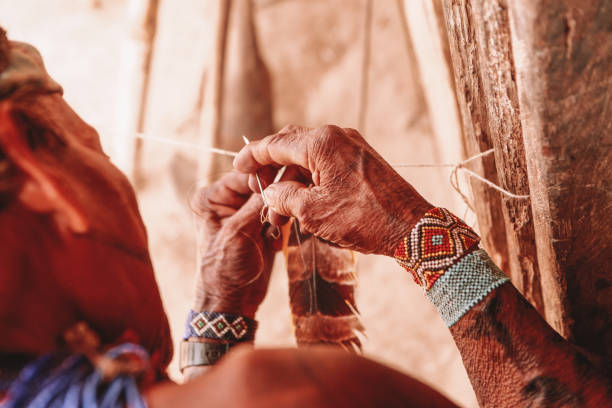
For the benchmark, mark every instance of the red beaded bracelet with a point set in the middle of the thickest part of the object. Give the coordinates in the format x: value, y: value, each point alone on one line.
x: 436, y: 243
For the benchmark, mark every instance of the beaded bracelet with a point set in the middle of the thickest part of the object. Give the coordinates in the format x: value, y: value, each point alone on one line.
x: 464, y: 285
x: 435, y: 244
x: 442, y: 255
x: 220, y: 326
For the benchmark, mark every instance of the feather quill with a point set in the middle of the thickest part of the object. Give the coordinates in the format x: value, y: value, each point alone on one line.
x: 322, y: 284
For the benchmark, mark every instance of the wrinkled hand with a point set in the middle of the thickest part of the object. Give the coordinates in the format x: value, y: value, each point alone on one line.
x: 235, y: 258
x: 339, y: 188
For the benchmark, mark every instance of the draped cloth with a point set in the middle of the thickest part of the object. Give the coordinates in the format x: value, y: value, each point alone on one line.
x: 27, y: 91
x: 61, y: 380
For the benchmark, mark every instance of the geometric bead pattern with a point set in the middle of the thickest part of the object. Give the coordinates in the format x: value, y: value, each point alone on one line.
x: 435, y: 244
x: 220, y: 326
x: 464, y: 285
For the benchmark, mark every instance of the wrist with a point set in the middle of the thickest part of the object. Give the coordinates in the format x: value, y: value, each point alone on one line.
x: 434, y: 244
x: 402, y: 226
x: 224, y: 305
x: 211, y: 335
x: 464, y: 285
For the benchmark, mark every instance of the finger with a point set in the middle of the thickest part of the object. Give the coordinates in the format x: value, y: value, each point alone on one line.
x: 248, y: 217
x: 273, y: 235
x: 288, y: 147
x: 223, y: 197
x: 237, y: 182
x: 277, y: 219
x: 288, y: 198
x: 222, y: 211
x: 267, y: 177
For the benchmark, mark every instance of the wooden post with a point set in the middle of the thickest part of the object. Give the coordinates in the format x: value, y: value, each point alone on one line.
x: 563, y: 63
x: 533, y: 81
x: 136, y: 59
x: 452, y: 104
x: 479, y: 37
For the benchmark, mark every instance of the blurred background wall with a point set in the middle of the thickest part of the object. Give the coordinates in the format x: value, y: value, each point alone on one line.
x: 314, y: 51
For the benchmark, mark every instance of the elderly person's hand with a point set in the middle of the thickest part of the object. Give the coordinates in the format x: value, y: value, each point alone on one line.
x: 345, y: 192
x: 234, y: 256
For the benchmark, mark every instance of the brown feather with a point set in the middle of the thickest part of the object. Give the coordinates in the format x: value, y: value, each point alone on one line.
x: 322, y: 284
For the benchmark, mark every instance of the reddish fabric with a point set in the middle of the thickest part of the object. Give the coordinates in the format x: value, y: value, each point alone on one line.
x: 52, y: 275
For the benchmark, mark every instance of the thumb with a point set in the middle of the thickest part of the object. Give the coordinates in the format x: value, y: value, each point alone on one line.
x: 288, y: 198
x: 248, y: 217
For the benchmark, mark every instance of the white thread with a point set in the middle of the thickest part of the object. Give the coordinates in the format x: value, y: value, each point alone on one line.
x: 181, y: 143
x: 453, y: 179
x: 263, y: 196
x: 493, y: 185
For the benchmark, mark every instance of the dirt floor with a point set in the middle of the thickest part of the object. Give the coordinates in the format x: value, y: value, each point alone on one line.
x: 313, y: 51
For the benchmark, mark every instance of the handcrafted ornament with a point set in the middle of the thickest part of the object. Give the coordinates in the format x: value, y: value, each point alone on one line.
x: 435, y: 243
x: 322, y: 284
x: 464, y: 285
x: 220, y: 326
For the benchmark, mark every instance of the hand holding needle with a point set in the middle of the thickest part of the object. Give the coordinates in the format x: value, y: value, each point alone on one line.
x: 263, y: 196
x: 276, y: 230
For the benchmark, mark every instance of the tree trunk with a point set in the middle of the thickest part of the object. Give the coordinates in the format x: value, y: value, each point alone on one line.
x: 563, y: 62
x: 456, y: 112
x: 533, y: 81
x: 479, y: 36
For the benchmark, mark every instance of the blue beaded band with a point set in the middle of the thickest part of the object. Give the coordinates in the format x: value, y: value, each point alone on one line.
x: 464, y: 285
x: 220, y: 326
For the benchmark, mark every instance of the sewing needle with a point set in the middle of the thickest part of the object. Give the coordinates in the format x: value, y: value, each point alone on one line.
x: 263, y: 196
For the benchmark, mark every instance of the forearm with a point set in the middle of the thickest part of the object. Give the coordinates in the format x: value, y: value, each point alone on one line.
x: 512, y: 356
x: 209, y: 336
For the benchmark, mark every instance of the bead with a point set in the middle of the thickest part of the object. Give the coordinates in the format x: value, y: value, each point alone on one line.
x: 464, y: 285
x: 435, y: 243
x: 221, y: 326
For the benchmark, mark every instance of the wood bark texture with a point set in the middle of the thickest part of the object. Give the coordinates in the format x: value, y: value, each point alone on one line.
x: 533, y: 81
x: 479, y: 36
x: 563, y: 62
x: 476, y: 134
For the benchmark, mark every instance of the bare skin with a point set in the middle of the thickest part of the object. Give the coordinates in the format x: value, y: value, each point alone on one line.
x: 75, y: 250
x: 350, y: 183
x: 234, y: 255
x: 81, y: 252
x: 513, y: 357
x: 317, y: 377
